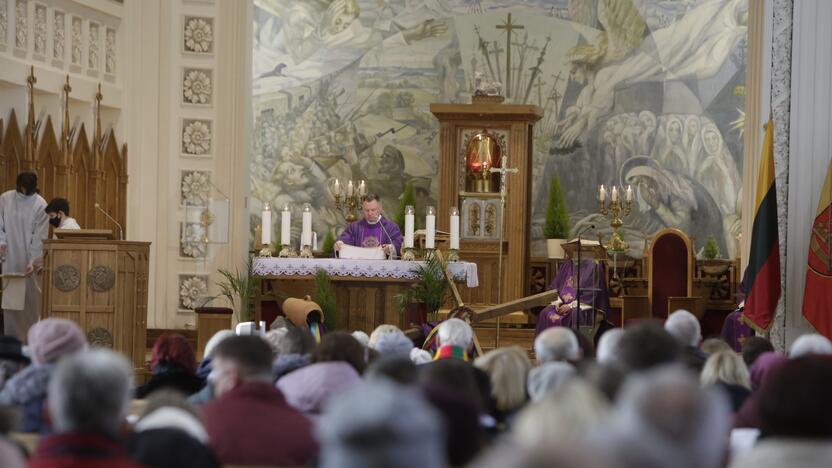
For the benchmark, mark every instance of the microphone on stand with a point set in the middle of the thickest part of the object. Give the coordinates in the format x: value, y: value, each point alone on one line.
x: 394, y: 254
x: 120, y: 230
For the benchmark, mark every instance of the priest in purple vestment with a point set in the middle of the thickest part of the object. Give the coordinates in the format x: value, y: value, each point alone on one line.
x: 372, y: 230
x: 595, y: 297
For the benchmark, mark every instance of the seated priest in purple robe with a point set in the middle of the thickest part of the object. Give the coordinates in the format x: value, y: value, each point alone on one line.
x: 734, y: 330
x: 373, y: 230
x: 595, y: 297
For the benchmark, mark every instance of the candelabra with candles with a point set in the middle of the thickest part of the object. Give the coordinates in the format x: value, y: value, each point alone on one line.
x: 615, y: 209
x: 349, y: 201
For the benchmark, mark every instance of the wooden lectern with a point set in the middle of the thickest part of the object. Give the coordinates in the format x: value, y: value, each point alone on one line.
x: 100, y: 284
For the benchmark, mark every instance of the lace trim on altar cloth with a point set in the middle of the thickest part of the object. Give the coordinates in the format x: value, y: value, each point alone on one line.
x: 272, y: 266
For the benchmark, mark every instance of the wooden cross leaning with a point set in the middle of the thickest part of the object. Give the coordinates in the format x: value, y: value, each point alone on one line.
x: 463, y: 312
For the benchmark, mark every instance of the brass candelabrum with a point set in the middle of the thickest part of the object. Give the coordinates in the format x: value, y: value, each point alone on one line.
x: 616, y: 209
x: 348, y: 202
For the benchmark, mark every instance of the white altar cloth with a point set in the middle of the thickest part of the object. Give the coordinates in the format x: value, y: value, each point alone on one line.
x: 273, y: 266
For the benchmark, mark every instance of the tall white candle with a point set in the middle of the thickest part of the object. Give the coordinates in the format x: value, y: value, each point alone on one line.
x: 430, y: 228
x: 362, y: 189
x: 315, y: 241
x: 629, y: 193
x: 614, y: 196
x: 454, y: 228
x: 266, y: 225
x: 285, y: 226
x: 336, y: 189
x: 306, y: 232
x: 602, y: 193
x: 408, y: 226
x: 350, y: 189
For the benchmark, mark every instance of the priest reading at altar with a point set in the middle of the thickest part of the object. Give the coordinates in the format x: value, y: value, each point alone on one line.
x: 373, y: 230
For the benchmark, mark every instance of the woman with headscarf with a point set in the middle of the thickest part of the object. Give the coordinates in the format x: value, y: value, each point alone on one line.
x: 49, y: 340
x: 173, y: 366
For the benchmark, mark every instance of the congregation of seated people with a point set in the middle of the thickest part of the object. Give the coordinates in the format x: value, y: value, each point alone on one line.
x: 653, y: 395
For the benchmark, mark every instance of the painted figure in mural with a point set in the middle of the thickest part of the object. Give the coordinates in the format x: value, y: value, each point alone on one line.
x: 372, y: 230
x: 694, y: 47
x: 666, y: 198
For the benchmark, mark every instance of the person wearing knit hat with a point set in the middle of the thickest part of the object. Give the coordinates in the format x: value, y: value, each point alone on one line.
x: 49, y: 341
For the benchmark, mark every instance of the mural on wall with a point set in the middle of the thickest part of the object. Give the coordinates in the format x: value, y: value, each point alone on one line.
x: 648, y: 93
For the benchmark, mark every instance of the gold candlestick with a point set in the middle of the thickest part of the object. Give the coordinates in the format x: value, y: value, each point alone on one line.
x: 615, y: 209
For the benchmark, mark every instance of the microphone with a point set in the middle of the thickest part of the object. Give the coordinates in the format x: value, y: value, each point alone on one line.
x: 120, y: 230
x: 392, y: 245
x: 588, y: 228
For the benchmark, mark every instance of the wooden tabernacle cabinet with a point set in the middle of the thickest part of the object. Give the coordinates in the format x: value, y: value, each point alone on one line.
x: 474, y: 138
x: 102, y: 286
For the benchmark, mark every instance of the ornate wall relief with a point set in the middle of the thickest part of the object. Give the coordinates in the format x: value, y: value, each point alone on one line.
x: 192, y: 288
x: 193, y: 242
x: 4, y: 21
x: 58, y: 35
x: 94, y: 46
x: 110, y: 52
x: 40, y: 27
x: 77, y: 40
x: 196, y: 137
x: 197, y: 86
x: 21, y: 24
x: 198, y: 35
x: 196, y: 188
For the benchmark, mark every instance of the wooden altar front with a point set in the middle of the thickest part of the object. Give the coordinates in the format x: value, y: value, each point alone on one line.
x: 363, y: 301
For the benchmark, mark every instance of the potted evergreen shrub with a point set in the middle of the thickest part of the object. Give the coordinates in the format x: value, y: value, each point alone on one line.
x: 239, y: 288
x: 556, y: 227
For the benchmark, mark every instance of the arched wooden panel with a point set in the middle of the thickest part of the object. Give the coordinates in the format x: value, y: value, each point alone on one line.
x: 48, y: 155
x: 79, y: 177
x: 13, y: 150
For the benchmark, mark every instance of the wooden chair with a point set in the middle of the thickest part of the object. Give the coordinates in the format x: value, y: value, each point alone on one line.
x: 670, y: 266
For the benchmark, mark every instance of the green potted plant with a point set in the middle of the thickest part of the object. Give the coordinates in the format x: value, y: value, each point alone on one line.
x: 408, y: 198
x: 328, y: 246
x: 423, y: 299
x: 556, y: 227
x: 325, y: 298
x: 711, y: 250
x: 239, y: 287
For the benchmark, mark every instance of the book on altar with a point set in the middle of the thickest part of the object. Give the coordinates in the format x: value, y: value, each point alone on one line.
x: 351, y: 252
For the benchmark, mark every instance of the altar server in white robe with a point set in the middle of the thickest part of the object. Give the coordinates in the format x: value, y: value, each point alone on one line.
x: 24, y: 225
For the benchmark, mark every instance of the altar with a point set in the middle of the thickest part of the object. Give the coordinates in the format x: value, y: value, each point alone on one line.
x: 364, y: 289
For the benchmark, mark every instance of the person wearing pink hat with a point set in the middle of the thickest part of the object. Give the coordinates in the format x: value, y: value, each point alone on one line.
x: 49, y: 341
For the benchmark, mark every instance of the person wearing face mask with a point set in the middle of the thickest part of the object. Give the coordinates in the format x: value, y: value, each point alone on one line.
x: 373, y: 230
x: 23, y: 227
x: 58, y: 212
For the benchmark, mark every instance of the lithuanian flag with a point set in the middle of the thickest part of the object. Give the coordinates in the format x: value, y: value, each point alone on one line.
x: 817, y: 297
x: 762, y: 275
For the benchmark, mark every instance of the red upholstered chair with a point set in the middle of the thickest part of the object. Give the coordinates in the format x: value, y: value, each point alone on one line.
x: 670, y: 274
x: 669, y: 265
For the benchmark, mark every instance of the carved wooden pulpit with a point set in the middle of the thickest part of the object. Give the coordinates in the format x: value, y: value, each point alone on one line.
x: 473, y: 140
x: 100, y: 284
